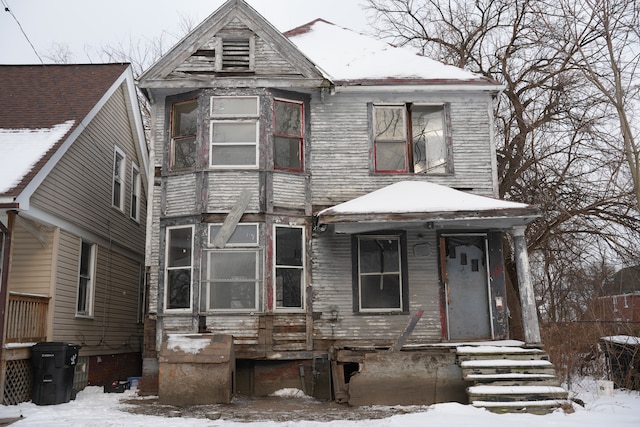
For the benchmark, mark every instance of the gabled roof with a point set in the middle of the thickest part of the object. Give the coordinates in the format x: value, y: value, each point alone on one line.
x: 232, y: 12
x: 416, y: 202
x: 43, y: 107
x: 349, y: 58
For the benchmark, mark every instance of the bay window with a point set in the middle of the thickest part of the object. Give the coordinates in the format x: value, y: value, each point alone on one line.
x: 288, y: 135
x: 234, y: 131
x: 289, y: 268
x: 179, y: 267
x: 184, y: 121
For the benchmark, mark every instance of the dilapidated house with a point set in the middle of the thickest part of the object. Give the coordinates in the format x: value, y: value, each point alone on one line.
x: 328, y: 201
x: 73, y: 162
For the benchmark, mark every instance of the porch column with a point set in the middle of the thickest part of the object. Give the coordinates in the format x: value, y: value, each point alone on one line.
x: 527, y: 297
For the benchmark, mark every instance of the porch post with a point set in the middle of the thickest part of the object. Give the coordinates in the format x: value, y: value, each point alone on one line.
x: 527, y: 297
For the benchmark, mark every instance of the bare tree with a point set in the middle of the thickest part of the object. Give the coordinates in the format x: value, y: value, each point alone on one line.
x: 550, y: 126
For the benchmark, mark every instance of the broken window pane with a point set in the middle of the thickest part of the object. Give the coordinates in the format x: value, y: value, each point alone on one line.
x: 429, y: 143
x: 379, y: 271
x: 288, y: 135
x: 184, y: 118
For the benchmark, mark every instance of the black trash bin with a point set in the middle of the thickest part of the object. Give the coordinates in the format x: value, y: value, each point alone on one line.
x: 53, y: 366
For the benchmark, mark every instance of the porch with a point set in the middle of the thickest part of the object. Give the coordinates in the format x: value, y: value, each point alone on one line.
x: 25, y: 325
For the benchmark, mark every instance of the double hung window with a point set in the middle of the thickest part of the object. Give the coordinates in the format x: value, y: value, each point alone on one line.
x: 117, y: 189
x: 289, y: 267
x: 411, y: 138
x: 288, y: 135
x: 184, y: 120
x: 179, y: 267
x: 234, y: 131
x: 86, y: 279
x: 234, y: 273
x: 379, y: 273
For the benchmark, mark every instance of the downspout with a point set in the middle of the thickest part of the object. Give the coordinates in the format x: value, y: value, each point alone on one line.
x: 527, y: 296
x: 4, y: 280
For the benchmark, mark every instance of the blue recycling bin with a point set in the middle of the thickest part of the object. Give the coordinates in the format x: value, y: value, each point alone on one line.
x: 53, y: 367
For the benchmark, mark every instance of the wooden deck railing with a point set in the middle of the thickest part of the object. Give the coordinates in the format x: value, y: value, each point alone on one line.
x: 26, y: 318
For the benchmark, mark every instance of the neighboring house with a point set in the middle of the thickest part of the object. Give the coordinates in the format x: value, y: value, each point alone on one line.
x: 73, y: 179
x: 325, y: 198
x: 618, y: 309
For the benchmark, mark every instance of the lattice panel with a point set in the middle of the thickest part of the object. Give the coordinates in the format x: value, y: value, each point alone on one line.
x: 18, y: 382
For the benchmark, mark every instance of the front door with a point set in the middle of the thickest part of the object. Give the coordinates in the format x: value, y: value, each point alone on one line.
x: 466, y: 287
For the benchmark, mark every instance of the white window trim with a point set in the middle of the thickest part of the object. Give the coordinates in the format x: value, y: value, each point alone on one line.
x: 136, y: 187
x: 89, y: 302
x: 120, y: 177
x: 237, y: 245
x: 303, y: 276
x: 258, y: 280
x: 167, y: 268
x: 398, y: 239
x: 234, y: 118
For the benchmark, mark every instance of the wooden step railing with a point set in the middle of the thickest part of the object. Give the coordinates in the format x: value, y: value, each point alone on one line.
x: 26, y: 318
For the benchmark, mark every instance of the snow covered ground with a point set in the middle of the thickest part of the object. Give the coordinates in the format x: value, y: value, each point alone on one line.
x: 94, y: 408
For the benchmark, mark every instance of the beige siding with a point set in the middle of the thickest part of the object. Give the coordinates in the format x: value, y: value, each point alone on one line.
x: 31, y: 262
x: 79, y: 188
x: 113, y: 327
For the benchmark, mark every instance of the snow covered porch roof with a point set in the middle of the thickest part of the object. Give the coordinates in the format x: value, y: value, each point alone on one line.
x: 411, y: 204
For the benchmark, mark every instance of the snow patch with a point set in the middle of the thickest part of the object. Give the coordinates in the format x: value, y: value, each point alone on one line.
x: 289, y: 392
x: 21, y: 149
x: 187, y: 343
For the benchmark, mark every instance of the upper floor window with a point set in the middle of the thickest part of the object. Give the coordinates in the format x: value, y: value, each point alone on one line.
x: 234, y: 273
x: 86, y: 279
x: 117, y: 192
x: 179, y: 267
x: 289, y: 267
x: 380, y: 282
x: 411, y: 138
x: 184, y: 120
x: 288, y: 135
x: 234, y: 131
x: 136, y: 188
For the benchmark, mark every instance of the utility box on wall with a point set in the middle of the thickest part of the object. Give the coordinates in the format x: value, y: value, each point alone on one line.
x: 196, y: 369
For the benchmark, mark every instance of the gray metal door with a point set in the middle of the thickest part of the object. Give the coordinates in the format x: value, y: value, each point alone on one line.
x: 467, y: 291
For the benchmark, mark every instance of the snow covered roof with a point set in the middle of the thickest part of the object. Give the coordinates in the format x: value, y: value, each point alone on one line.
x: 40, y: 106
x: 348, y: 57
x: 414, y: 201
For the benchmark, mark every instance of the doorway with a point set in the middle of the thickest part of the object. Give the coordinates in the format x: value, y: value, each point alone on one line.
x: 466, y: 286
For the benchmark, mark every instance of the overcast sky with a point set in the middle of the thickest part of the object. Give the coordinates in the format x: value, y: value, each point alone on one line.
x: 84, y: 26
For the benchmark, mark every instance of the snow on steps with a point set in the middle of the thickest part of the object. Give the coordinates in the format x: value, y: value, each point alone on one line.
x: 511, y: 379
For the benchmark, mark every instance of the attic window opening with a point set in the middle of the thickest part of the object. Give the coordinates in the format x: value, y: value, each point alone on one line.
x: 237, y: 54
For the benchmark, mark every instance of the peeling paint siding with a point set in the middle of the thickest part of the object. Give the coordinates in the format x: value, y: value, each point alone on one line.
x: 181, y: 324
x: 332, y: 287
x: 244, y: 328
x: 181, y: 195
x: 154, y: 267
x: 268, y: 60
x: 341, y: 141
x: 225, y: 188
x: 289, y: 190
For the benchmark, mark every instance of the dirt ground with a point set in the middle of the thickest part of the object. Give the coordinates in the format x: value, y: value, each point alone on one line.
x: 268, y: 409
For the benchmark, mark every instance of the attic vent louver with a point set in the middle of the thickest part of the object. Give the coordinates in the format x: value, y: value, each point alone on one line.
x: 236, y: 54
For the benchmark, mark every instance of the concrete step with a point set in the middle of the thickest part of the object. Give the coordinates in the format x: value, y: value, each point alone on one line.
x: 540, y: 407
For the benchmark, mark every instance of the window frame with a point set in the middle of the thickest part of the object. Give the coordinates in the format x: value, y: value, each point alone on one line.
x: 302, y: 268
x: 136, y: 192
x: 219, y: 118
x: 300, y: 138
x: 401, y: 238
x: 118, y: 179
x: 90, y: 280
x: 168, y: 268
x: 234, y: 247
x: 408, y: 109
x: 180, y: 137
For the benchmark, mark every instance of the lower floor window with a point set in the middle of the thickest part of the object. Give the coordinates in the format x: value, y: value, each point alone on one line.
x: 233, y: 280
x: 289, y: 267
x: 379, y: 278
